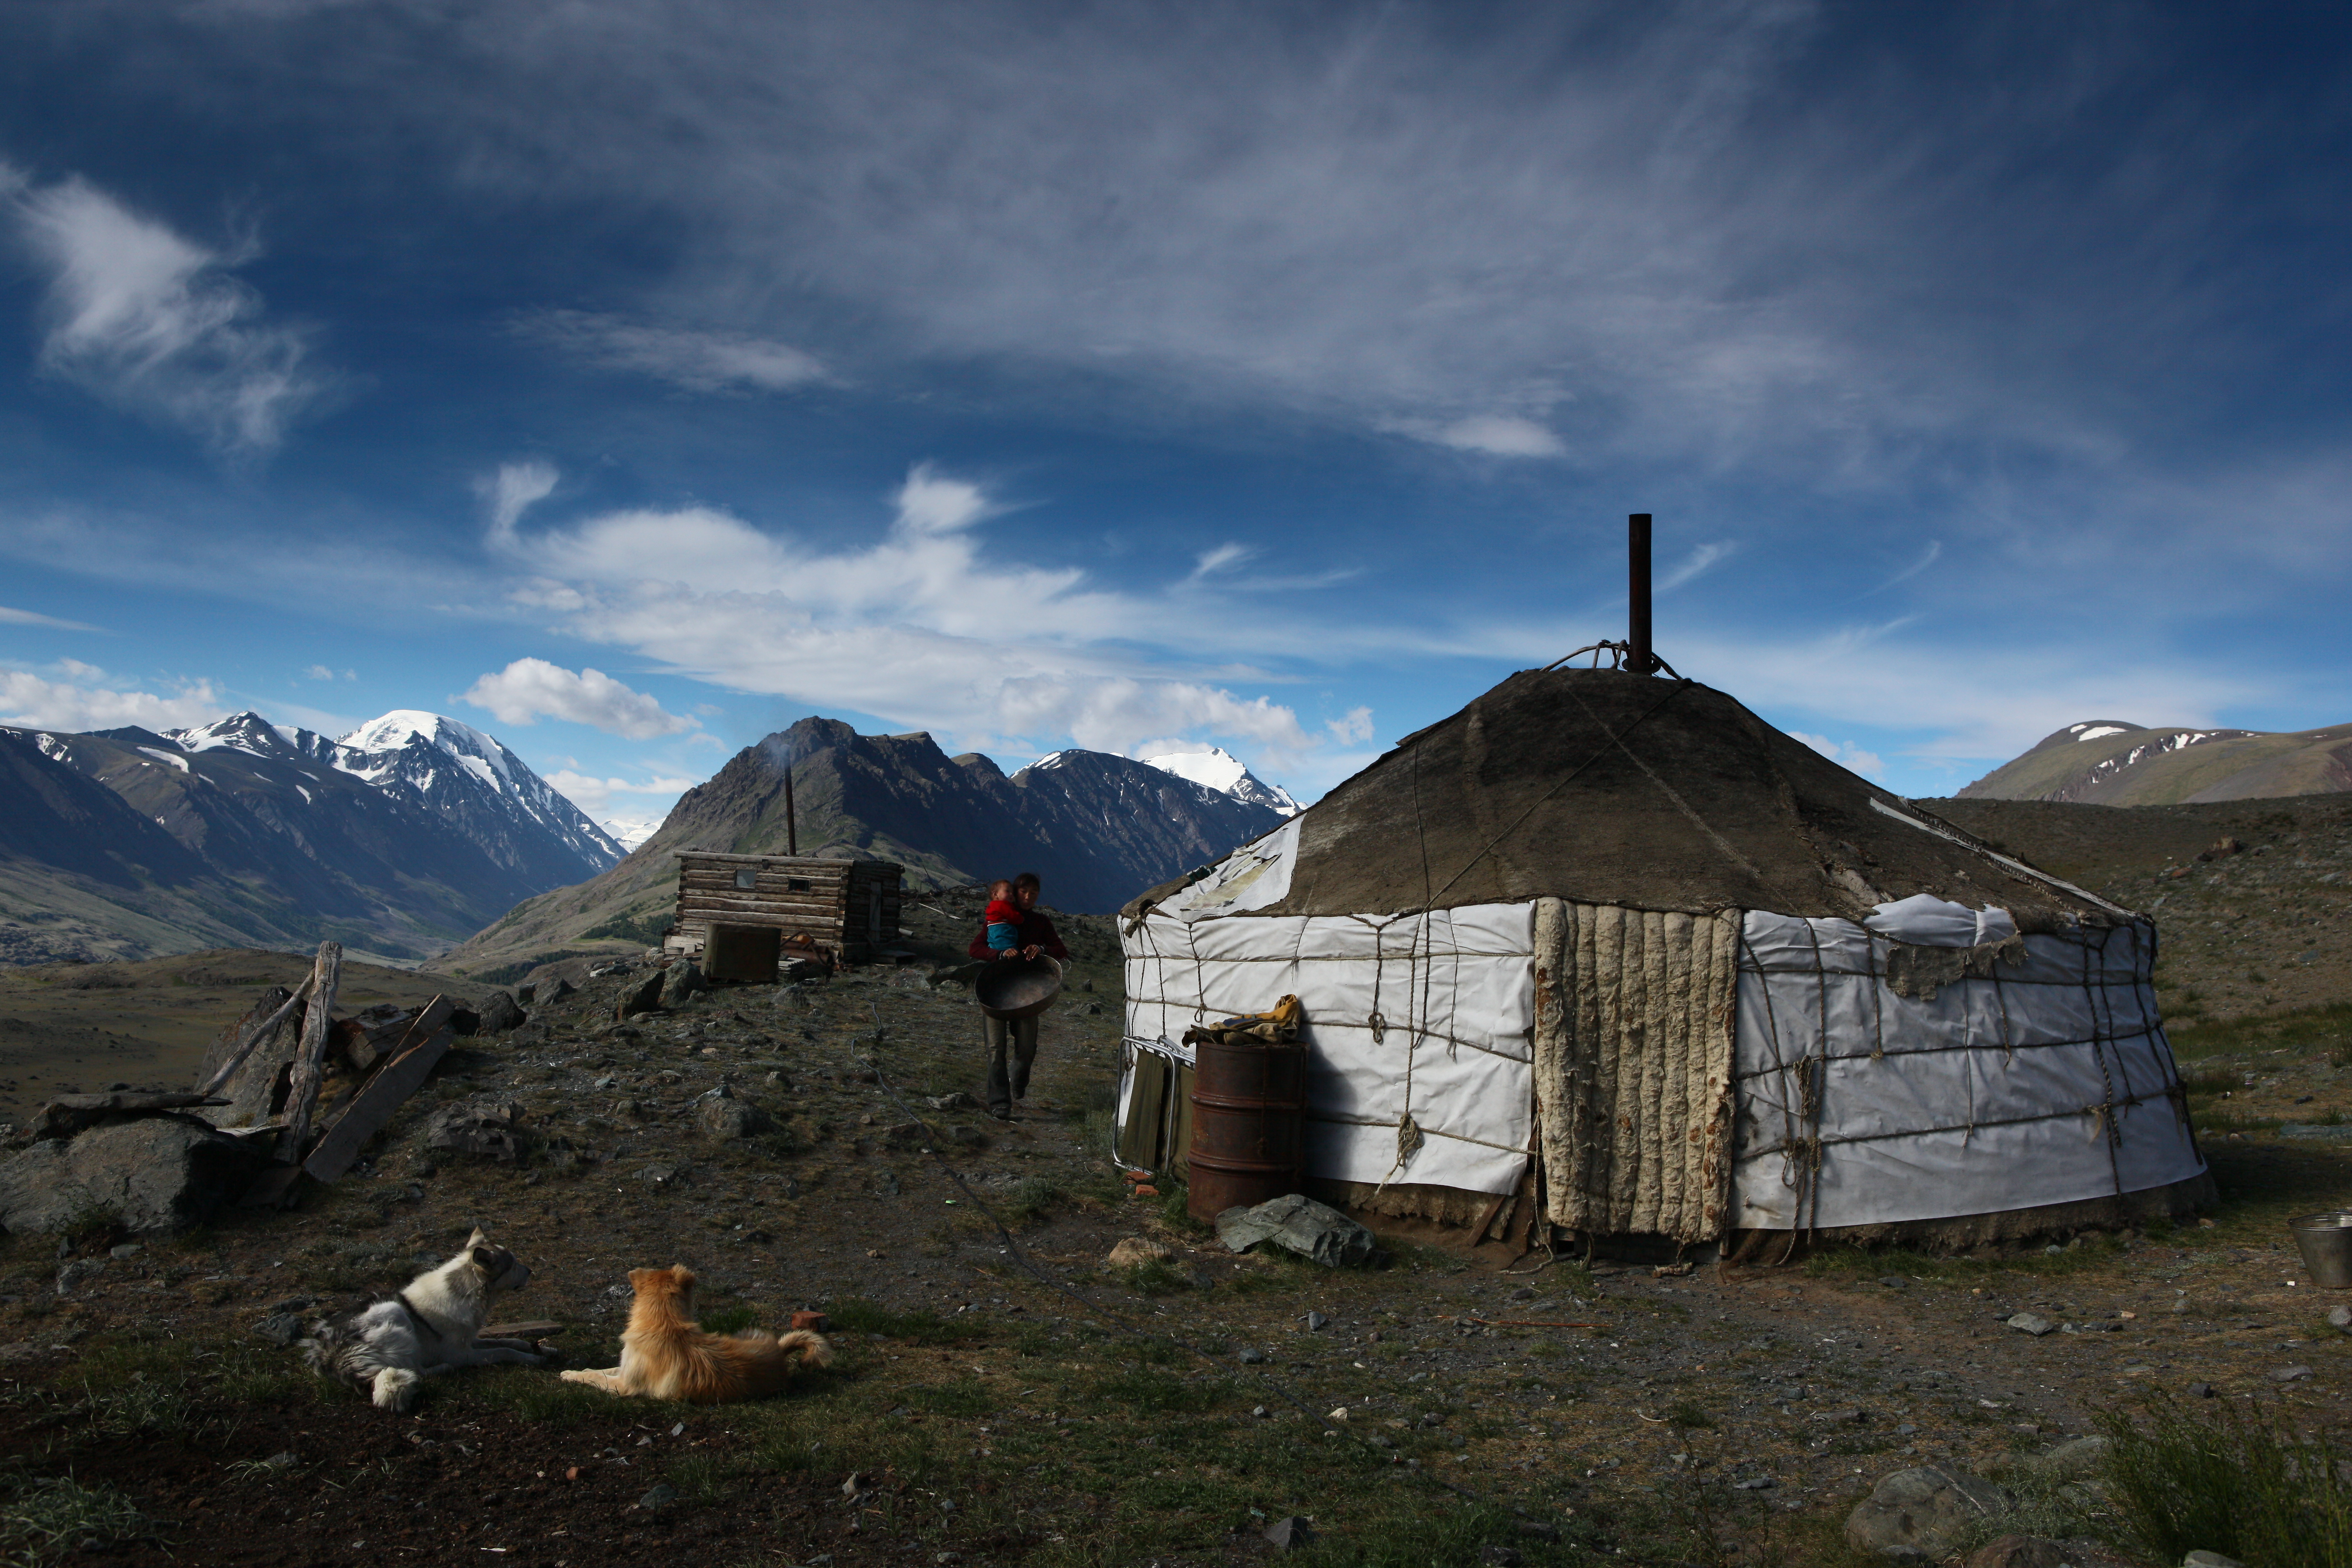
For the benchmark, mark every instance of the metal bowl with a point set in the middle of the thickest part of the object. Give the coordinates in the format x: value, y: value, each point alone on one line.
x: 1017, y: 987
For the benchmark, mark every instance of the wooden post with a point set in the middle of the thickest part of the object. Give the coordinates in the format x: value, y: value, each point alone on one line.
x: 792, y: 822
x: 262, y: 1032
x: 302, y: 1089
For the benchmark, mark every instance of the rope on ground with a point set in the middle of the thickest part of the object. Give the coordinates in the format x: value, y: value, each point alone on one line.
x: 1105, y: 1315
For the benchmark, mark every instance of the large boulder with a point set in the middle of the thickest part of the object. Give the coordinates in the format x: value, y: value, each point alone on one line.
x: 680, y: 980
x: 153, y: 1176
x: 1922, y: 1515
x: 1299, y: 1223
x: 486, y: 1129
x: 726, y: 1118
x: 644, y: 997
x: 498, y: 1014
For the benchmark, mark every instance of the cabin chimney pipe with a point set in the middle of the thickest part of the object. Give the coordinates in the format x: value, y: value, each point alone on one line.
x: 792, y: 823
x: 1639, y: 658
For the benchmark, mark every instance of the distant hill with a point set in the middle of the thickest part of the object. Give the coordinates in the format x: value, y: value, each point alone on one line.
x: 2106, y: 762
x: 1221, y: 770
x: 1096, y: 829
x: 397, y: 841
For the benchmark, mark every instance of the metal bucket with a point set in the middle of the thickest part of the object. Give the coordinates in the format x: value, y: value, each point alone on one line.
x: 2325, y: 1242
x: 1249, y: 1104
x: 1017, y: 987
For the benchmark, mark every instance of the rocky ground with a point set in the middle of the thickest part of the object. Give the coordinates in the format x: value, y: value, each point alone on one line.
x: 1008, y: 1398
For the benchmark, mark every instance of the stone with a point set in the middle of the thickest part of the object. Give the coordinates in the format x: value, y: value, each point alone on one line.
x: 525, y: 993
x: 1895, y: 1282
x: 1755, y: 1484
x: 1135, y: 1251
x: 1500, y: 1556
x: 1289, y: 1534
x: 2289, y: 1374
x: 280, y: 1328
x: 486, y: 1129
x: 2072, y: 1461
x: 1922, y: 1514
x: 2030, y: 1324
x: 660, y: 1176
x: 2200, y: 1390
x: 1299, y: 1223
x: 2201, y: 1558
x: 498, y: 1015
x: 157, y: 1175
x: 958, y: 1100
x: 680, y: 980
x: 2340, y: 1318
x: 77, y: 1272
x: 643, y: 997
x: 1251, y: 1356
x: 2017, y: 1551
x: 725, y: 1118
x: 660, y: 1497
x: 1316, y: 1323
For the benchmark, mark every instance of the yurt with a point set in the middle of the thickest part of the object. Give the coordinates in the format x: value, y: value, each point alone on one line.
x: 1604, y: 956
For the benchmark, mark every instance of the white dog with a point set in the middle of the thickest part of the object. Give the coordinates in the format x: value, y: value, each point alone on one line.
x: 426, y: 1329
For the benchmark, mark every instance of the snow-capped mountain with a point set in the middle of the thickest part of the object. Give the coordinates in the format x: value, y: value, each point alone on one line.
x: 630, y: 832
x: 471, y: 779
x: 1219, y: 769
x: 452, y: 771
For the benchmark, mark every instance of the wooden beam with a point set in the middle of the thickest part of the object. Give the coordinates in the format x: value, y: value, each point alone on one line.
x: 262, y: 1032
x: 302, y: 1088
x: 384, y: 1094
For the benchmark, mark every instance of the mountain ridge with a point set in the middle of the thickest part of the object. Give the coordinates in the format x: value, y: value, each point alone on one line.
x: 2108, y: 761
x: 1096, y: 829
x: 240, y: 832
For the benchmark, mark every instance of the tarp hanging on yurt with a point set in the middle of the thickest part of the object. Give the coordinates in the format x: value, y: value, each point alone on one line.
x: 1616, y: 936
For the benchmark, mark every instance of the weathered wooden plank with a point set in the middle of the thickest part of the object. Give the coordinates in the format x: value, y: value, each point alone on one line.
x: 259, y: 1033
x: 302, y: 1089
x: 384, y: 1094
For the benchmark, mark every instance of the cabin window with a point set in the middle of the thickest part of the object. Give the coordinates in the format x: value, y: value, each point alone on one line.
x: 796, y: 884
x: 748, y: 876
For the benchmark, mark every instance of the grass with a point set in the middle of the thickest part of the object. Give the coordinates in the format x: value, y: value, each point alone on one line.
x: 730, y: 1320
x: 2247, y: 1485
x: 2305, y: 1030
x: 1155, y: 1278
x: 854, y: 1314
x: 44, y: 1518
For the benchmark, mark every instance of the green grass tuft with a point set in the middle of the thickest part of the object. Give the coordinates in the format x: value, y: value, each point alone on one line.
x: 856, y: 1315
x: 2246, y: 1484
x: 730, y: 1320
x: 44, y: 1518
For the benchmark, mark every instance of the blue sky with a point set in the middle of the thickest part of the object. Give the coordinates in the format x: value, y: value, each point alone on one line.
x: 630, y: 379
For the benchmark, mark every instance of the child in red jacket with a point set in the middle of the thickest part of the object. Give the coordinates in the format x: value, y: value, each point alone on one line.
x: 1003, y: 919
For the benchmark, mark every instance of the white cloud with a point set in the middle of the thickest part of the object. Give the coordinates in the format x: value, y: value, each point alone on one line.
x: 145, y: 319
x: 918, y: 626
x: 74, y: 704
x: 1499, y: 436
x: 1928, y: 558
x: 697, y: 360
x: 1352, y: 728
x: 531, y: 689
x: 35, y: 618
x: 1845, y: 753
x: 514, y: 490
x: 320, y: 672
x: 595, y: 795
x: 1700, y: 558
x: 1224, y: 555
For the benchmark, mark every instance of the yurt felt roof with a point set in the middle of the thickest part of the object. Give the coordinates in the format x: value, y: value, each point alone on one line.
x: 1641, y: 791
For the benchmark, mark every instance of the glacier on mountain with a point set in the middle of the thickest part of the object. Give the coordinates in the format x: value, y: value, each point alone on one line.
x: 1213, y: 767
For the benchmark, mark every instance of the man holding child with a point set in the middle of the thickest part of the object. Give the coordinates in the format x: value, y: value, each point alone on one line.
x: 1014, y: 927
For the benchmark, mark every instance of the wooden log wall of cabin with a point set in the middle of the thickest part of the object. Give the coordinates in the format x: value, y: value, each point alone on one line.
x: 302, y: 1089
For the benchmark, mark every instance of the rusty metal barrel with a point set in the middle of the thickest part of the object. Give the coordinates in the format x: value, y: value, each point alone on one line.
x: 1249, y: 1112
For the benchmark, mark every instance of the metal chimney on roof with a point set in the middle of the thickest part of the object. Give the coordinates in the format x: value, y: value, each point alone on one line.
x: 1639, y: 658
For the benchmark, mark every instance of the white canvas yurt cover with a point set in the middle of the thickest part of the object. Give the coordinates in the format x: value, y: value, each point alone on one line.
x: 1607, y: 952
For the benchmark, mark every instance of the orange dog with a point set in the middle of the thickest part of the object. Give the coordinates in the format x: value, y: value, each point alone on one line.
x: 665, y: 1356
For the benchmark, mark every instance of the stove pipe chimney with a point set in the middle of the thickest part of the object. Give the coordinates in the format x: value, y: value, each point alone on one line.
x: 1639, y: 658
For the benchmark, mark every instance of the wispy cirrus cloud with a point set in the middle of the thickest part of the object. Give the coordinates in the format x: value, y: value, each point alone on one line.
x: 14, y: 617
x: 694, y: 359
x: 142, y: 317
